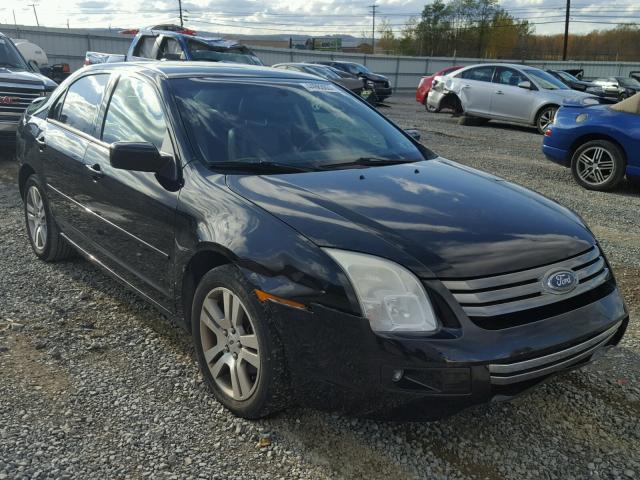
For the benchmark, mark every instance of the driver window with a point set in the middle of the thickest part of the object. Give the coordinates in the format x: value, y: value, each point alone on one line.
x: 509, y: 76
x: 135, y: 115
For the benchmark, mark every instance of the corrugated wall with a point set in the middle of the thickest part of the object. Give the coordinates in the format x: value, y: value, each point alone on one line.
x: 69, y: 46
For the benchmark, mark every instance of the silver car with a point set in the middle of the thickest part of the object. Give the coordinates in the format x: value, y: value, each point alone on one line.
x: 512, y: 93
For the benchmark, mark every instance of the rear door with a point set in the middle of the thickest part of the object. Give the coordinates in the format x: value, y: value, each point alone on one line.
x: 511, y: 102
x: 476, y: 90
x: 132, y: 226
x: 70, y: 129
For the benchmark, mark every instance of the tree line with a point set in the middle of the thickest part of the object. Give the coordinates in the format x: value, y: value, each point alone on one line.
x: 483, y: 29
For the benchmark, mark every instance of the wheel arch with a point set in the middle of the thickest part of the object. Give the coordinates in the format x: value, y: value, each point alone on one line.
x: 24, y: 173
x: 452, y: 100
x: 541, y: 108
x: 595, y: 136
x: 204, y: 259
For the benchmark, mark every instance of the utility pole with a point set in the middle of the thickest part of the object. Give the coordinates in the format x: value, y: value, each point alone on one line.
x: 15, y: 22
x: 373, y: 27
x: 180, y: 7
x: 34, y: 12
x: 566, y: 31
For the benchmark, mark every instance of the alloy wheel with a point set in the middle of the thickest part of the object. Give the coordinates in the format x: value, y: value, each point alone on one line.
x: 36, y: 218
x: 546, y: 119
x: 595, y: 165
x: 230, y: 344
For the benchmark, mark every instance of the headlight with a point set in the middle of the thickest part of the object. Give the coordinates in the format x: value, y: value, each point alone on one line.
x: 390, y: 296
x: 582, y: 118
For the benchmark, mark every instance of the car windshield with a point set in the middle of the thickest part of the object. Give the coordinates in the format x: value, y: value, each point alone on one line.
x: 567, y: 76
x: 212, y: 53
x: 10, y: 57
x: 545, y: 80
x: 323, y: 72
x: 356, y: 68
x: 628, y: 82
x: 308, y: 124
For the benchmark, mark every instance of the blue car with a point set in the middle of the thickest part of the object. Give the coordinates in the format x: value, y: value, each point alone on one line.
x: 600, y: 143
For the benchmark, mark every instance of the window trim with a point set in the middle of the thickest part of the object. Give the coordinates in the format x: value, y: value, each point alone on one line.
x: 63, y: 98
x: 104, y: 111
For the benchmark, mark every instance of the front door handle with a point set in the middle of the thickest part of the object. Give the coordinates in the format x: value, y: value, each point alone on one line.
x: 42, y: 144
x: 499, y: 92
x: 95, y: 171
x: 464, y: 87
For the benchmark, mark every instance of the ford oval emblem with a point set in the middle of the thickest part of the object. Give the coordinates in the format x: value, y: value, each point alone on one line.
x: 560, y: 281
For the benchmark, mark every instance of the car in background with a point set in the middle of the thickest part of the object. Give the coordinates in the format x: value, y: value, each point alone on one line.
x: 316, y: 253
x: 570, y: 81
x: 150, y: 44
x: 425, y: 85
x: 39, y: 62
x: 378, y: 83
x: 618, y: 87
x: 355, y: 84
x: 506, y: 92
x: 599, y: 143
x: 20, y: 85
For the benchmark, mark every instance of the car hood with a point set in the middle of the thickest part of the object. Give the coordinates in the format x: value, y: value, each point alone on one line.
x: 350, y: 83
x: 11, y: 75
x: 376, y: 78
x: 437, y: 217
x: 566, y: 95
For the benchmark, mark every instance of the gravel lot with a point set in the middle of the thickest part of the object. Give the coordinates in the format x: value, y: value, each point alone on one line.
x: 95, y: 384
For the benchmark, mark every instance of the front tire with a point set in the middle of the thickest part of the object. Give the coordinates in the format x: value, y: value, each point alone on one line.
x: 239, y: 352
x: 42, y: 230
x: 598, y: 165
x: 545, y: 118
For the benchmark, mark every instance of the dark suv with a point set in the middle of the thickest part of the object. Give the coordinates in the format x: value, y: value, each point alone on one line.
x: 379, y: 83
x: 315, y: 251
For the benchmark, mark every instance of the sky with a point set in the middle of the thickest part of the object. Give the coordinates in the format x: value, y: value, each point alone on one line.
x: 318, y: 17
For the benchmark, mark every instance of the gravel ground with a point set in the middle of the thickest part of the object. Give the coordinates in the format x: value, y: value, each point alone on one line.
x: 95, y: 384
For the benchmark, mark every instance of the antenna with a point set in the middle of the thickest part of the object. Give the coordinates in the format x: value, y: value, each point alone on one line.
x: 34, y: 12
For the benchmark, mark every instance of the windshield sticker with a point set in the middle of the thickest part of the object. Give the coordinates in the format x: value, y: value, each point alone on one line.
x: 320, y: 87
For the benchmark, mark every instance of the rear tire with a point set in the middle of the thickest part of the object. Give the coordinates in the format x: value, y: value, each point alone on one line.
x: 240, y: 354
x: 598, y: 165
x: 42, y: 230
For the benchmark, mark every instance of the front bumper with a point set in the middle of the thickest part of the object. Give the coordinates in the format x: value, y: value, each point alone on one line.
x: 338, y: 363
x: 382, y: 92
x: 8, y: 132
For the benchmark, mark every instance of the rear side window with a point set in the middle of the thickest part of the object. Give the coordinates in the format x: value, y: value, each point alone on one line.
x: 509, y: 76
x: 480, y: 74
x: 170, y: 50
x: 145, y: 47
x: 82, y: 102
x: 135, y: 115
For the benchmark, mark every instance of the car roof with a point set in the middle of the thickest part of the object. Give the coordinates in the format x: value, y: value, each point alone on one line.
x: 174, y: 69
x: 218, y: 41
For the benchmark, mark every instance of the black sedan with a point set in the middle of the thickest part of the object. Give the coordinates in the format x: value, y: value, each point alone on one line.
x: 572, y: 82
x: 379, y: 83
x: 315, y: 251
x: 355, y: 84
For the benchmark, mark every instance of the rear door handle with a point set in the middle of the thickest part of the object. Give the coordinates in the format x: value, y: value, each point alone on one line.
x: 464, y: 87
x: 499, y: 92
x: 95, y: 171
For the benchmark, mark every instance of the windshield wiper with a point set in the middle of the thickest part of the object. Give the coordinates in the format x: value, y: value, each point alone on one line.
x: 274, y: 167
x: 367, y: 162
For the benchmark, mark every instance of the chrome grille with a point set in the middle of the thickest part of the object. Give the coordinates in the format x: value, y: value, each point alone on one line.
x: 508, y: 373
x: 519, y: 291
x: 20, y: 97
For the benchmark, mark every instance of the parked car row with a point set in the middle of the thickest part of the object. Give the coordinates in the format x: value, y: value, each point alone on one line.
x: 582, y: 128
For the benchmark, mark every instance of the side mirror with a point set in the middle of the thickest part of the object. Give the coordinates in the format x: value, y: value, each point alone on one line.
x: 34, y: 65
x: 35, y: 103
x: 526, y: 85
x: 137, y: 157
x: 413, y: 133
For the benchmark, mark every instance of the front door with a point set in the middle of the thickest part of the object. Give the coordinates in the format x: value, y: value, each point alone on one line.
x: 132, y: 228
x: 511, y: 102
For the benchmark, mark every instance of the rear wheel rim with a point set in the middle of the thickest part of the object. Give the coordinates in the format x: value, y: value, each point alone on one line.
x: 230, y: 344
x: 546, y: 118
x: 595, y: 166
x: 36, y: 218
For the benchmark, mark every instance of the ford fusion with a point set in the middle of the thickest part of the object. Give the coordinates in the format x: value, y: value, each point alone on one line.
x: 317, y: 253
